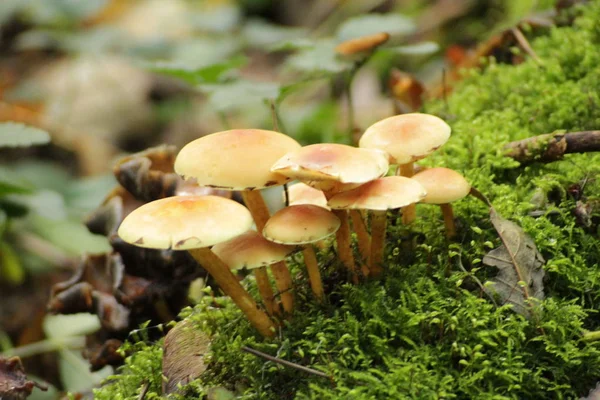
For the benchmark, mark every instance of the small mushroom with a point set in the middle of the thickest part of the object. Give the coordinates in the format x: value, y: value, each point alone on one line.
x: 250, y: 251
x: 195, y: 223
x: 379, y: 196
x: 241, y: 159
x: 303, y: 224
x: 333, y: 168
x: 301, y: 193
x: 444, y: 186
x: 407, y: 138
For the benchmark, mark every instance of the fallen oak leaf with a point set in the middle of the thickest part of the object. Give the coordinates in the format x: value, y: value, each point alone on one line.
x: 183, y: 360
x: 520, y: 266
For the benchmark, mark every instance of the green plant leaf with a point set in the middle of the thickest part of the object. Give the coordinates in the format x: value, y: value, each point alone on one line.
x: 394, y: 24
x: 12, y: 188
x: 240, y: 93
x: 208, y: 74
x: 417, y: 49
x: 11, y: 270
x: 259, y: 34
x: 13, y: 134
x: 520, y: 266
x: 70, y: 236
x: 321, y: 57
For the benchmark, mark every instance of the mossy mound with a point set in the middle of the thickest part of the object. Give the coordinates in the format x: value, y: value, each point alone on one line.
x: 426, y: 330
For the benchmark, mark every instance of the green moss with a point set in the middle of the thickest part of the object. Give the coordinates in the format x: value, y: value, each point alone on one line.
x: 426, y: 331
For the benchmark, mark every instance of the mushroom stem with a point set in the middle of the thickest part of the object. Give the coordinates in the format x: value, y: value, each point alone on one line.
x: 364, y: 239
x: 448, y: 220
x: 283, y: 281
x: 314, y: 276
x: 231, y: 287
x: 260, y: 213
x: 378, y: 227
x: 342, y: 237
x: 409, y: 213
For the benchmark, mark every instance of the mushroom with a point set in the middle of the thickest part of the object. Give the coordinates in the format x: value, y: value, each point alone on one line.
x: 250, y: 250
x: 195, y: 223
x: 379, y: 196
x: 240, y: 159
x: 303, y: 224
x: 333, y: 168
x: 301, y: 193
x: 443, y: 186
x: 407, y: 138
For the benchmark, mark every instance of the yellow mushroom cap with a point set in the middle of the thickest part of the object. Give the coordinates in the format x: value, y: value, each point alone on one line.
x: 333, y: 162
x: 407, y: 137
x: 238, y: 159
x: 301, y: 224
x: 381, y: 194
x: 250, y: 250
x: 443, y: 185
x: 361, y: 44
x: 185, y: 222
x: 301, y: 193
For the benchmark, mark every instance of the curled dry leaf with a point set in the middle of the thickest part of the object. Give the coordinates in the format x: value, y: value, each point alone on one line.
x: 183, y: 355
x: 13, y: 382
x: 520, y: 266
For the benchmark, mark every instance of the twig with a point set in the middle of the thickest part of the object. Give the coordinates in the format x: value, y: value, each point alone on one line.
x: 284, y: 362
x: 274, y: 116
x: 552, y: 147
x: 522, y: 40
x: 462, y: 268
x: 145, y: 388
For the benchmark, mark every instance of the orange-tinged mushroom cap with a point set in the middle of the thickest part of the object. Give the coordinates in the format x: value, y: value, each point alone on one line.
x: 407, y: 137
x: 185, y: 222
x: 443, y: 185
x: 301, y: 224
x: 381, y: 194
x: 238, y: 159
x: 250, y: 250
x: 333, y: 162
x: 301, y: 193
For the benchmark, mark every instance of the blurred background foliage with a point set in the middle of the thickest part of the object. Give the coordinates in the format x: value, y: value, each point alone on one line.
x: 84, y: 82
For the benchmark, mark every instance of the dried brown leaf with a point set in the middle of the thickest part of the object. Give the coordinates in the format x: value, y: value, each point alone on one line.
x: 520, y: 266
x: 183, y: 355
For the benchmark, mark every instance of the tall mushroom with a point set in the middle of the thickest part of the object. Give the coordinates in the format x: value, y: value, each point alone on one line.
x: 333, y: 168
x: 303, y: 224
x: 379, y: 196
x: 241, y: 159
x: 407, y: 138
x: 194, y: 223
x: 443, y: 187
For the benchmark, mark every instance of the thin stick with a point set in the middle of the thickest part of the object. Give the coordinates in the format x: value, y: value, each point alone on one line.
x: 378, y: 228
x: 232, y: 287
x: 462, y: 268
x: 364, y: 239
x: 342, y: 237
x: 274, y: 116
x: 448, y: 220
x: 314, y: 275
x: 284, y: 362
x: 145, y: 388
x: 283, y: 282
x: 552, y: 147
x: 409, y: 213
x: 522, y: 40
x: 283, y: 279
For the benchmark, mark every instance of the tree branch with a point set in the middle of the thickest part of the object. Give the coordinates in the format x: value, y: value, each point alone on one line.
x: 552, y: 147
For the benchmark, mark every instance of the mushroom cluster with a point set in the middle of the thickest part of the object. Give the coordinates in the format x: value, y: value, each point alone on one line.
x: 340, y: 188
